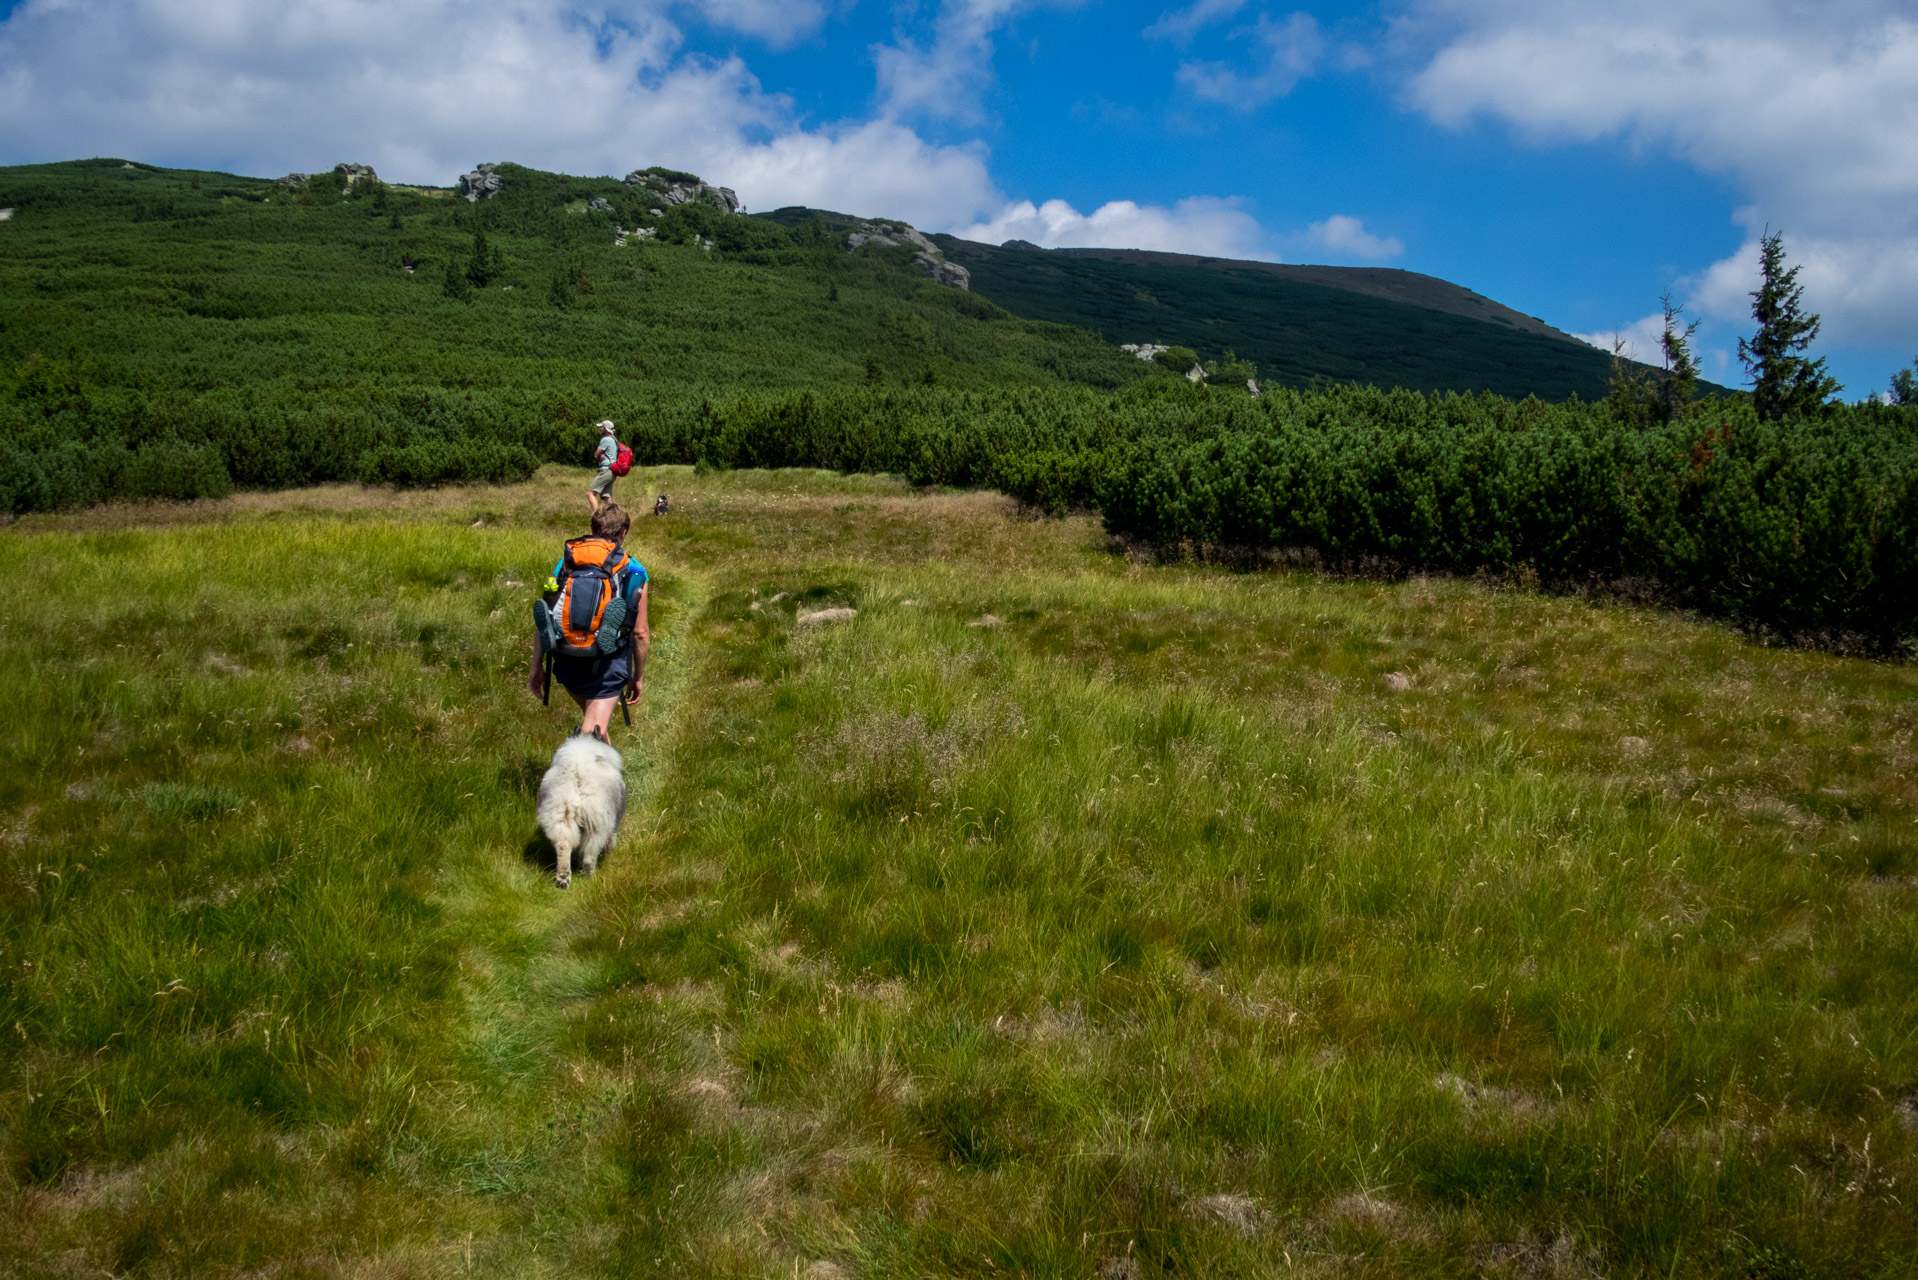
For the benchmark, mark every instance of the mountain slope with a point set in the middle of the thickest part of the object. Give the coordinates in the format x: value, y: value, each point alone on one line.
x: 166, y: 332
x: 1391, y: 283
x: 1297, y: 323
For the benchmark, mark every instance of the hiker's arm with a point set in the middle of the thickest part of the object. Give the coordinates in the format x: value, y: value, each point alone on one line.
x: 536, y: 674
x: 642, y: 644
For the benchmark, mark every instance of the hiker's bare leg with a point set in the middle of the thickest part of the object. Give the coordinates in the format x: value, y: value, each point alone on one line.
x: 596, y: 714
x: 592, y: 500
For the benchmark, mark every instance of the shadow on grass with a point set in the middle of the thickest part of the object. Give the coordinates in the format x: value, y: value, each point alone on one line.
x: 539, y: 852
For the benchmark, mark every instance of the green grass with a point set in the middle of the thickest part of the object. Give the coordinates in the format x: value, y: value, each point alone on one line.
x: 1059, y: 915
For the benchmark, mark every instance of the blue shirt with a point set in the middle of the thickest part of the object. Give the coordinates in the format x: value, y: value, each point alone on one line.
x: 608, y: 450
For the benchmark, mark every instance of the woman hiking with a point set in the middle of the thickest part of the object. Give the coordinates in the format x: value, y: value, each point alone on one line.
x: 594, y: 635
x: 606, y: 453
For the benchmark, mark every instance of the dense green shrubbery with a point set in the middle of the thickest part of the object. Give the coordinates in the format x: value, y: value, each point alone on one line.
x: 1808, y: 525
x: 1804, y: 525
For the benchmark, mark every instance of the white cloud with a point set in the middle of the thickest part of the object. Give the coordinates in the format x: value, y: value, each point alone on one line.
x: 1640, y: 340
x: 1811, y: 108
x: 778, y: 22
x: 1289, y: 51
x: 878, y: 168
x: 1345, y: 236
x: 1201, y: 224
x: 1180, y: 25
x: 424, y: 89
x: 946, y: 77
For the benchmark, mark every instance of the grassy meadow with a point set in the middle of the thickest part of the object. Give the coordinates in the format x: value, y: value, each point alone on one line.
x: 1062, y: 914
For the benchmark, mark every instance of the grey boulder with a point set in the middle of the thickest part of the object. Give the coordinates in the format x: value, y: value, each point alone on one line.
x: 481, y: 184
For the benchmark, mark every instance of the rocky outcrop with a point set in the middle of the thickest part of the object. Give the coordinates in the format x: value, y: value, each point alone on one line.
x: 950, y: 274
x: 599, y: 204
x: 1147, y: 351
x: 890, y: 235
x: 348, y: 175
x: 481, y: 184
x: 928, y: 258
x: 682, y: 188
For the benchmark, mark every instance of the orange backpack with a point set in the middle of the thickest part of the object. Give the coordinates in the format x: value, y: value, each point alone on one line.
x: 591, y: 609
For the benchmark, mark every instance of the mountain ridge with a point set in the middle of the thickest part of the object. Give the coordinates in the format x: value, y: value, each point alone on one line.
x: 1394, y: 283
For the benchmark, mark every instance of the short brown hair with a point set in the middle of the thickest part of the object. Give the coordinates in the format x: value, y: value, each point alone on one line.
x: 611, y: 521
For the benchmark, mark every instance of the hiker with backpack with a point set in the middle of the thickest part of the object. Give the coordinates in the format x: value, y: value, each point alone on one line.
x: 615, y: 459
x: 592, y: 634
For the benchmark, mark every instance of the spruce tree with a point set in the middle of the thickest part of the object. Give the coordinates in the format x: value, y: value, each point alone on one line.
x: 1628, y: 391
x: 455, y: 285
x: 1784, y: 382
x: 479, y: 264
x: 1680, y: 383
x: 1904, y: 386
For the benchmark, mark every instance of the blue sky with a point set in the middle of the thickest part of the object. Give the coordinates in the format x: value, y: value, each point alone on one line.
x: 1572, y: 160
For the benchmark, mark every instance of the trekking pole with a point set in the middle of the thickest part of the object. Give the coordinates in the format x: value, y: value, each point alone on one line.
x: 546, y: 681
x: 632, y: 656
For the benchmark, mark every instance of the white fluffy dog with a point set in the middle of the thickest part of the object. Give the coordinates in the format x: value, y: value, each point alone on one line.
x: 582, y: 799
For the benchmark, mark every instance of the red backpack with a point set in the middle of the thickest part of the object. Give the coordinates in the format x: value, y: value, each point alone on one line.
x: 622, y: 461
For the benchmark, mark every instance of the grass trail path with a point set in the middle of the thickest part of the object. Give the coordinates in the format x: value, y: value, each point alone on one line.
x: 529, y: 1104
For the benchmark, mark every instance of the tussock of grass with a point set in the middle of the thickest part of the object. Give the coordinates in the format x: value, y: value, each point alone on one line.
x: 1150, y: 931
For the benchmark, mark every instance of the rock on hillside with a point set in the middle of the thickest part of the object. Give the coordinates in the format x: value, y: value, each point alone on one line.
x: 929, y: 258
x: 671, y: 188
x: 349, y: 173
x: 481, y: 184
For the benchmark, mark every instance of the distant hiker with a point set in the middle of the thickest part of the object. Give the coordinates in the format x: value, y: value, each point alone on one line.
x: 593, y: 636
x: 615, y: 460
x: 659, y: 508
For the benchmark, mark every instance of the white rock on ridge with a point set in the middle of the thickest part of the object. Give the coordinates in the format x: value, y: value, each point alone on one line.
x: 6, y: 215
x: 890, y: 234
x: 1147, y: 351
x: 671, y: 191
x: 291, y: 180
x: 1195, y: 374
x: 930, y: 260
x: 599, y: 204
x: 481, y: 184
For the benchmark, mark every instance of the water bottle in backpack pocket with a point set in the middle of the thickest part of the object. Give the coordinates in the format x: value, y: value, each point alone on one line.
x: 588, y: 619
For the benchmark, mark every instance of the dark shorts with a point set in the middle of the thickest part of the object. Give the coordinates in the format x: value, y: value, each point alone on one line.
x: 592, y: 678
